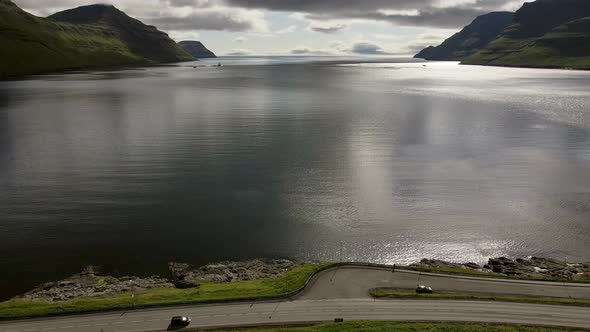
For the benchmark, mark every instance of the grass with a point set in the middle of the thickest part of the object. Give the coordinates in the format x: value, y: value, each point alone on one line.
x: 566, y: 47
x: 366, y: 326
x: 33, y: 45
x: 246, y: 290
x: 384, y: 293
x: 585, y: 278
x: 582, y: 278
x: 208, y: 291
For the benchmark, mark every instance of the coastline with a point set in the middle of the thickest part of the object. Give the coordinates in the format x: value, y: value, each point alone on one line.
x: 249, y: 281
x: 522, y: 66
x: 90, y: 283
x: 147, y: 64
x: 73, y: 70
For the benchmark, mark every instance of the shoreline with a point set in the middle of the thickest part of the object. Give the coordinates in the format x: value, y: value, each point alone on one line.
x: 279, y: 284
x: 83, y: 69
x: 90, y: 283
x: 147, y: 64
x: 523, y: 66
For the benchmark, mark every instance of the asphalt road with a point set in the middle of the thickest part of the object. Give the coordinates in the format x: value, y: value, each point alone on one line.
x: 354, y: 282
x: 340, y: 293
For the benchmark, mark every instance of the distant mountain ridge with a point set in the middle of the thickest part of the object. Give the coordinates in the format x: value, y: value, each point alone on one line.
x: 196, y: 49
x: 544, y: 33
x: 471, y: 39
x: 85, y: 37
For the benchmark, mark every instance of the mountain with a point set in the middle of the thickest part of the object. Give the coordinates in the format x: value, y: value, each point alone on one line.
x: 196, y: 49
x: 144, y: 40
x: 544, y: 33
x: 471, y: 39
x: 101, y: 37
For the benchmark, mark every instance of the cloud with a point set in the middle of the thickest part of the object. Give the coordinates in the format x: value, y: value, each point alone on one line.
x: 303, y: 50
x: 246, y: 15
x: 289, y: 29
x: 367, y: 48
x: 362, y: 20
x: 300, y: 51
x: 327, y: 28
x: 426, y: 13
x: 212, y: 19
x: 338, y: 45
x: 170, y: 15
x: 240, y: 52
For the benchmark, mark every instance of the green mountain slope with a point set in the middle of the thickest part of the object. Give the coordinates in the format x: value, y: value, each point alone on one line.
x: 144, y: 40
x: 471, y: 39
x: 33, y: 45
x: 196, y: 49
x: 545, y: 33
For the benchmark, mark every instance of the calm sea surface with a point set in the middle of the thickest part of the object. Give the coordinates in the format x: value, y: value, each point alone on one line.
x: 290, y: 157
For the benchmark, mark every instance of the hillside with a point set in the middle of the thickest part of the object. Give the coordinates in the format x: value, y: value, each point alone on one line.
x: 144, y: 40
x: 471, y: 39
x: 37, y: 45
x: 196, y: 49
x: 545, y: 33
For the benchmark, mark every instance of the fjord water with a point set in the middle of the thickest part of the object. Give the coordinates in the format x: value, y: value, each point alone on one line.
x: 380, y: 162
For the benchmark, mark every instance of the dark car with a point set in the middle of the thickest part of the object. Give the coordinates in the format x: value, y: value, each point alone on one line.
x: 423, y: 289
x: 179, y: 322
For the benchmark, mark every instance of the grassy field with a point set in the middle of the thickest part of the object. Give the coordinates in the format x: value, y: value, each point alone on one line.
x: 406, y: 327
x: 208, y: 291
x: 401, y: 294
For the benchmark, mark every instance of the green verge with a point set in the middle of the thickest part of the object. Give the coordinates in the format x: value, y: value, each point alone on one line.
x: 260, y: 289
x: 474, y: 273
x: 383, y: 293
x: 366, y: 326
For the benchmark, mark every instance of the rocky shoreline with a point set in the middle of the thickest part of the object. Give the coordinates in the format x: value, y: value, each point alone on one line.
x: 89, y: 283
x: 187, y: 276
x: 531, y: 268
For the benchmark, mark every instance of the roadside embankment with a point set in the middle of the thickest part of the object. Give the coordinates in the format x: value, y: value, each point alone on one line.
x: 133, y: 293
x: 259, y: 280
x: 534, y: 268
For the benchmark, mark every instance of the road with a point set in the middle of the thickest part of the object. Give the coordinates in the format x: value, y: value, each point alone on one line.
x: 341, y: 293
x: 354, y: 282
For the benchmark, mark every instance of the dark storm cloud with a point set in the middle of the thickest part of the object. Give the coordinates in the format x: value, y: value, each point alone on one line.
x: 427, y: 12
x: 438, y: 17
x: 202, y: 21
x: 332, y: 6
x: 329, y: 6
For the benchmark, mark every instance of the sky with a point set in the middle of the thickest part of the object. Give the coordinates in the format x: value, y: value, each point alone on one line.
x: 300, y: 27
